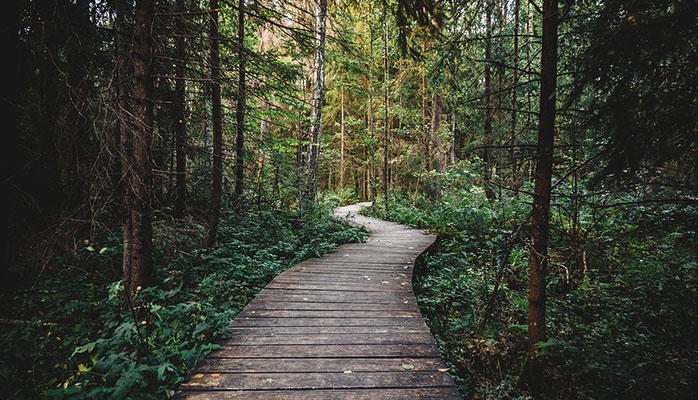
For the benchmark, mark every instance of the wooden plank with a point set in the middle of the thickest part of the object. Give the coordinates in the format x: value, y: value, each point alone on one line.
x: 338, y: 296
x: 326, y: 394
x: 318, y: 380
x: 242, y: 365
x: 262, y: 304
x: 330, y: 339
x: 261, y: 313
x: 257, y: 322
x: 302, y: 330
x: 384, y: 286
x: 329, y: 350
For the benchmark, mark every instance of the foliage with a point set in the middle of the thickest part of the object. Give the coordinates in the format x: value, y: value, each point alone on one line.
x: 70, y: 337
x: 642, y: 75
x: 622, y: 296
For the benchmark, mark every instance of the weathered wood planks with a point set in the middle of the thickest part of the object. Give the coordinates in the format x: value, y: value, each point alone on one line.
x: 344, y: 326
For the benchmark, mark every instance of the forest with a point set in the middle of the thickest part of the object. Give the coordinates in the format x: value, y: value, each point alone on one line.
x: 165, y: 159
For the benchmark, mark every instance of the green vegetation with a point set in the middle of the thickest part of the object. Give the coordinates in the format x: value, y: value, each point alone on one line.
x: 69, y: 336
x: 138, y: 128
x: 622, y: 295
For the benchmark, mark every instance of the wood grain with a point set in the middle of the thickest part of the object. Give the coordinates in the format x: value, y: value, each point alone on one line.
x: 344, y: 326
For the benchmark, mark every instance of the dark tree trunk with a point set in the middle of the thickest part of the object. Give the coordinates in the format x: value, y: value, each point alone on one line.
x: 489, y: 108
x: 180, y: 114
x: 136, y: 161
x: 240, y: 108
x: 514, y: 103
x: 217, y: 125
x: 538, y: 260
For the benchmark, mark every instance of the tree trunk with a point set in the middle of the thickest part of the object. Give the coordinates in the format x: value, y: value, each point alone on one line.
x: 386, y: 166
x: 371, y: 122
x: 489, y: 108
x: 513, y: 163
x: 240, y: 108
x: 136, y: 158
x: 538, y: 259
x: 217, y: 126
x: 341, y: 143
x: 425, y: 120
x: 318, y: 99
x: 435, y: 125
x: 180, y: 114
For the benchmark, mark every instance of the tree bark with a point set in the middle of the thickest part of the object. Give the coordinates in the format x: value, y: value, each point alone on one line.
x: 217, y: 126
x: 136, y: 158
x: 514, y: 102
x: 538, y: 259
x: 341, y: 143
x: 371, y: 122
x: 318, y: 99
x: 386, y: 166
x: 180, y: 114
x: 240, y: 108
x: 425, y: 120
x: 489, y: 108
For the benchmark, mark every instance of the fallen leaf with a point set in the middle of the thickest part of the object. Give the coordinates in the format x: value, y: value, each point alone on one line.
x: 270, y: 380
x: 408, y: 367
x: 198, y: 376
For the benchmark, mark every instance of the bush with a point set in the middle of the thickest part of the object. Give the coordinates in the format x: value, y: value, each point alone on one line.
x: 70, y: 336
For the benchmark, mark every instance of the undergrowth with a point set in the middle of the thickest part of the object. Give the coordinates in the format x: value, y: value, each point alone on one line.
x: 622, y: 296
x: 68, y: 336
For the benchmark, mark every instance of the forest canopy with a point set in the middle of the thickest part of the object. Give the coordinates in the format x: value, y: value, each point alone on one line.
x: 158, y: 148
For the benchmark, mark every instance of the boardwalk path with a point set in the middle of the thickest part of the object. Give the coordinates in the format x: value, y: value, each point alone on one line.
x: 344, y: 326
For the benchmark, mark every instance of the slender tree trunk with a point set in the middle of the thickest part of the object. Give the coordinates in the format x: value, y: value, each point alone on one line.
x: 217, y: 126
x: 240, y: 108
x: 136, y: 160
x: 514, y: 102
x: 371, y: 121
x: 341, y: 142
x: 435, y: 125
x: 425, y: 119
x: 386, y: 166
x: 538, y: 260
x: 123, y: 93
x: 180, y: 114
x: 489, y: 108
x: 318, y: 99
x: 452, y: 146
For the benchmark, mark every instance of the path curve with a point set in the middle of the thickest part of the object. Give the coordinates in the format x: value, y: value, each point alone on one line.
x: 343, y: 326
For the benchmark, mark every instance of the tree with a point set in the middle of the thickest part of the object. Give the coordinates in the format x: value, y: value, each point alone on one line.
x: 639, y: 79
x: 386, y: 99
x: 540, y: 218
x: 136, y: 153
x: 180, y: 112
x: 217, y: 125
x: 240, y: 107
x: 317, y: 100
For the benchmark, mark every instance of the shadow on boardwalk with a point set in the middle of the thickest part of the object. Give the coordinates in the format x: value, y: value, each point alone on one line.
x: 344, y: 326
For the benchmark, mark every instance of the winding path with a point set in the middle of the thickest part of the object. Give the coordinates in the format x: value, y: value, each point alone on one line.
x: 344, y: 326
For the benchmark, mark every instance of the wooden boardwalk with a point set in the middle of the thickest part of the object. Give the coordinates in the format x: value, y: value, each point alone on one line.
x: 344, y: 326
